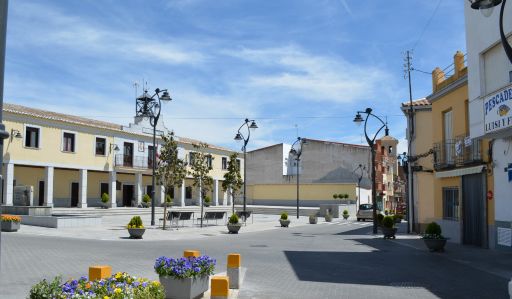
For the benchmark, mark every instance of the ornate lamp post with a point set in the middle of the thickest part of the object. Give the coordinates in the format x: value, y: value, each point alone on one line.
x: 371, y: 142
x: 150, y: 106
x: 297, y: 153
x: 249, y: 125
x: 486, y: 7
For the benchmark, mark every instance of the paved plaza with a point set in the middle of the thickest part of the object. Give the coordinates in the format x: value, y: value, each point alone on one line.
x: 341, y: 259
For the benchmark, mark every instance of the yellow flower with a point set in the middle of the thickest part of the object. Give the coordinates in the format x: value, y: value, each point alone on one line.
x: 156, y: 283
x: 118, y: 275
x: 117, y: 290
x: 106, y: 297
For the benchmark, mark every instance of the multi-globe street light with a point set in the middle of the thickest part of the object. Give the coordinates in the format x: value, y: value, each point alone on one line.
x: 151, y: 106
x: 297, y: 153
x: 371, y: 143
x: 249, y: 125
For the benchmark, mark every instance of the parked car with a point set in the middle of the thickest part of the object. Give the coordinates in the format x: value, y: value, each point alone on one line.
x: 365, y: 211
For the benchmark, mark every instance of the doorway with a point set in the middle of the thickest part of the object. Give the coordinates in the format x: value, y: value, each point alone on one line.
x: 74, y: 195
x: 41, y: 193
x: 473, y: 209
x: 128, y: 192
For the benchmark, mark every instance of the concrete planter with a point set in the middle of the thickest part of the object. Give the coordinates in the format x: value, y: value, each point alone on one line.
x: 328, y: 218
x: 345, y: 216
x: 136, y: 233
x: 10, y: 226
x: 233, y: 228
x: 284, y: 223
x: 186, y: 288
x: 435, y: 244
x: 313, y: 220
x: 389, y: 233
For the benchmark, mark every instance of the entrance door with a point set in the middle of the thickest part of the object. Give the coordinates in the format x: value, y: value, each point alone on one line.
x: 473, y: 209
x: 128, y: 192
x: 74, y: 194
x: 41, y: 193
x: 128, y: 154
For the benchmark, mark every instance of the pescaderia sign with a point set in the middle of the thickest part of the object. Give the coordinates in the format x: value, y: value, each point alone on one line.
x: 497, y: 114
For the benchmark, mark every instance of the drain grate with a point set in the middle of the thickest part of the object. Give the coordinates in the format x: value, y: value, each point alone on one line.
x: 408, y: 285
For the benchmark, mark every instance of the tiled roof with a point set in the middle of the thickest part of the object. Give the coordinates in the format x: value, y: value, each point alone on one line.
x: 419, y: 102
x: 50, y: 115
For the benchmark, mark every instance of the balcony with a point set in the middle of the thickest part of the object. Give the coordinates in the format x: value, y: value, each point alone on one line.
x: 459, y: 152
x: 139, y: 162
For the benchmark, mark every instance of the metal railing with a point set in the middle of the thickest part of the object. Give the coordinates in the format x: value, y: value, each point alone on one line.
x: 133, y: 161
x: 458, y: 152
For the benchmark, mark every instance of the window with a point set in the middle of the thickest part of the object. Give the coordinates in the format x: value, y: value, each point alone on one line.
x: 68, y: 142
x: 192, y: 157
x: 101, y: 146
x: 32, y: 137
x: 224, y: 163
x: 451, y: 203
x: 149, y: 190
x: 103, y: 188
x: 188, y: 192
x: 209, y: 159
x: 150, y: 156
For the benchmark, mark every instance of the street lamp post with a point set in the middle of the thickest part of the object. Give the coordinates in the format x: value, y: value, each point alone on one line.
x: 250, y: 125
x: 297, y: 153
x: 486, y: 7
x: 148, y: 106
x: 361, y: 168
x: 371, y: 142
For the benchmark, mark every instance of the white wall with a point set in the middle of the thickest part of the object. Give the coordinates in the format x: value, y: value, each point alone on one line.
x: 366, y: 195
x: 503, y: 188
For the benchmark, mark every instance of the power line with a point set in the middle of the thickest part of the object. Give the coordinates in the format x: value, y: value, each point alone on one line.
x: 427, y: 24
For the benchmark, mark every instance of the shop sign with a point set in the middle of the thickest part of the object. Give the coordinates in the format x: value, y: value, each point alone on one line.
x: 497, y: 107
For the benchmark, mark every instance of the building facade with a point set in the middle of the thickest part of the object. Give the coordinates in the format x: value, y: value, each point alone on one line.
x: 489, y: 95
x: 386, y: 171
x: 69, y: 161
x: 325, y: 168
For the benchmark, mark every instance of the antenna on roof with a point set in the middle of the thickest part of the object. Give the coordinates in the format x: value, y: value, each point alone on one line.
x: 135, y: 86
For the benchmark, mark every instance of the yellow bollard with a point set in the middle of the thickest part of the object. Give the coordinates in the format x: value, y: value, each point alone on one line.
x: 191, y: 253
x: 219, y: 287
x: 99, y: 272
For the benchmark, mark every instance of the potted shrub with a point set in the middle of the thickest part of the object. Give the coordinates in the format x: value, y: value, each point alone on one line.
x: 233, y: 224
x: 185, y: 277
x: 345, y: 214
x: 284, y: 220
x: 328, y: 216
x: 146, y: 199
x: 10, y: 223
x: 136, y: 228
x: 398, y: 218
x: 104, y: 200
x: 388, y: 227
x: 207, y: 201
x: 433, y: 237
x: 380, y: 217
x: 313, y: 219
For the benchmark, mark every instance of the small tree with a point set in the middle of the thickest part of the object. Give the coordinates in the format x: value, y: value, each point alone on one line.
x: 200, y: 170
x: 171, y: 169
x: 232, y: 179
x: 104, y: 199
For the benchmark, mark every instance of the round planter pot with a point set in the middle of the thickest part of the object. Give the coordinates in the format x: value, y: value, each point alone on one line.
x: 328, y: 218
x: 345, y: 216
x: 313, y: 220
x: 136, y: 233
x: 234, y: 228
x: 284, y: 223
x: 435, y: 244
x: 389, y: 233
x: 10, y: 226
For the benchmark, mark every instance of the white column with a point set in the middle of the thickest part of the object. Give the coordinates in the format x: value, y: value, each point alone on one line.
x: 216, y: 192
x: 48, y: 186
x: 8, y: 184
x: 225, y: 198
x: 113, y: 189
x: 183, y: 193
x: 200, y: 200
x: 138, y: 188
x: 82, y: 196
x: 160, y: 194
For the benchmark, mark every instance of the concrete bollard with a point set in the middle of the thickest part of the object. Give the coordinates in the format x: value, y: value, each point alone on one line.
x: 233, y: 271
x: 99, y: 272
x: 219, y: 287
x: 191, y: 253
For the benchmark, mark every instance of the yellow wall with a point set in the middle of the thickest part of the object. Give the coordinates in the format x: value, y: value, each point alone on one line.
x: 425, y: 197
x: 94, y: 179
x: 307, y: 191
x: 29, y: 176
x: 455, y: 101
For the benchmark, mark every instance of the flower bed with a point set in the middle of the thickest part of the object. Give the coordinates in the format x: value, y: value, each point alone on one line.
x: 185, y: 267
x: 118, y: 286
x: 10, y: 218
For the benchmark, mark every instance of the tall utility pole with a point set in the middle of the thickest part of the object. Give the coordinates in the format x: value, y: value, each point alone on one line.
x: 3, y: 32
x: 410, y: 126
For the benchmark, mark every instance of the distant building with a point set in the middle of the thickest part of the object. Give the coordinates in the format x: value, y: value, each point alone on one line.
x: 385, y: 172
x: 325, y: 168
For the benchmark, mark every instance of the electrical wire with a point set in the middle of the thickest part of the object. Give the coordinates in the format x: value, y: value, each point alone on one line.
x: 427, y: 24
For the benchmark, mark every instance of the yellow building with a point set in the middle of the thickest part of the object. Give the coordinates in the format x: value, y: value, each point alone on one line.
x: 461, y: 177
x: 69, y: 161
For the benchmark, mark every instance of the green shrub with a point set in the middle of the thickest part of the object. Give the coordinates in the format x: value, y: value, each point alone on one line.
x: 335, y: 196
x: 397, y: 217
x: 168, y: 200
x: 146, y: 198
x: 45, y: 289
x: 105, y: 198
x: 135, y: 222
x: 313, y: 216
x: 345, y: 212
x: 233, y: 219
x: 386, y: 212
x: 388, y: 222
x: 207, y: 200
x: 433, y: 230
x: 341, y: 196
x: 284, y: 216
x: 380, y: 217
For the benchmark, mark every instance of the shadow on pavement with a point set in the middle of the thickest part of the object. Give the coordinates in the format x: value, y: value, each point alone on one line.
x: 394, y: 265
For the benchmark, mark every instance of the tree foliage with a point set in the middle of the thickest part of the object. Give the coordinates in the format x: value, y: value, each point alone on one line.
x: 200, y: 169
x: 232, y: 178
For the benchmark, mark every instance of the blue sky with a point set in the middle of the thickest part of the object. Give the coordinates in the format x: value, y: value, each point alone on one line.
x: 292, y: 65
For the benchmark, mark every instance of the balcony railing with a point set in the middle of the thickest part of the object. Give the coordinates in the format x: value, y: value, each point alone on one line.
x: 459, y: 152
x: 128, y: 161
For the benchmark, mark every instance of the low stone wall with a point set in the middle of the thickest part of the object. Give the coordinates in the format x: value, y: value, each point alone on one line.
x: 27, y: 210
x: 59, y: 222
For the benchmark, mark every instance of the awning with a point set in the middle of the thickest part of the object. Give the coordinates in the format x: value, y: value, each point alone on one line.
x: 460, y: 171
